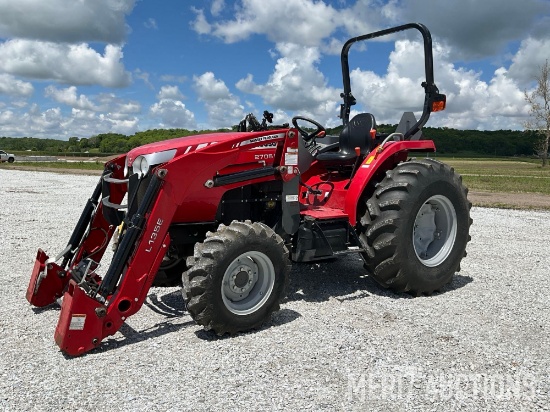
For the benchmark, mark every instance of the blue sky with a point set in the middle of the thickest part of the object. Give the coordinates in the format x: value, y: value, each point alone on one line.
x: 79, y: 68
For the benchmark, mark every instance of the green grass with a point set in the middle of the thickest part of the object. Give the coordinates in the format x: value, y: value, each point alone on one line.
x: 511, y: 176
x: 507, y: 184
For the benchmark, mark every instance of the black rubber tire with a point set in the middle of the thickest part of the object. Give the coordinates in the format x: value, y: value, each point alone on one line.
x: 202, y: 282
x: 11, y: 160
x: 386, y: 229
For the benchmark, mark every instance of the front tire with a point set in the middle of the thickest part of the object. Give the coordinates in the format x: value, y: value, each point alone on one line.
x: 236, y: 278
x: 416, y: 227
x: 173, y: 265
x: 170, y: 271
x: 11, y: 160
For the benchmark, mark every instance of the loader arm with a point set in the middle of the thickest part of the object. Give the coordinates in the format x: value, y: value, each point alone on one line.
x: 88, y: 242
x: 87, y: 317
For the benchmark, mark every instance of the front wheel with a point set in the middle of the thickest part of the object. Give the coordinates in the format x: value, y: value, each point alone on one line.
x: 416, y: 227
x: 236, y: 278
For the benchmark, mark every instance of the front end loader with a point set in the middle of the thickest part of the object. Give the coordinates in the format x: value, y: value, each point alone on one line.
x: 224, y: 214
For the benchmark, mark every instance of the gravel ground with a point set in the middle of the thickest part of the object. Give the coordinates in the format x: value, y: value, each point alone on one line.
x: 340, y: 342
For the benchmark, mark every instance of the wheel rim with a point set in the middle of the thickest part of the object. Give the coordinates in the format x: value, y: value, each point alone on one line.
x: 247, y: 283
x: 434, y: 233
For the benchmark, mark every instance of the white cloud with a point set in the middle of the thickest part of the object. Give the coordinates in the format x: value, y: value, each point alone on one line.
x: 209, y: 88
x: 54, y: 123
x: 173, y: 79
x: 117, y: 124
x: 47, y: 121
x: 102, y: 103
x: 69, y: 97
x: 170, y: 92
x: 109, y: 102
x: 151, y: 24
x: 224, y: 109
x: 217, y: 7
x: 57, y: 41
x: 11, y: 86
x: 32, y: 123
x: 74, y: 115
x: 200, y: 24
x: 296, y: 85
x: 531, y: 56
x: 357, y: 19
x: 66, y: 63
x: 143, y: 76
x: 461, y: 23
x: 6, y: 118
x: 85, y: 123
x: 465, y: 30
x: 173, y: 114
x: 471, y: 102
x: 65, y: 21
x: 170, y: 111
x: 277, y: 22
x: 478, y: 28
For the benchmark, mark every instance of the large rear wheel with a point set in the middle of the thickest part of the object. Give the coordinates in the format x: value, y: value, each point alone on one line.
x: 416, y: 227
x: 236, y: 278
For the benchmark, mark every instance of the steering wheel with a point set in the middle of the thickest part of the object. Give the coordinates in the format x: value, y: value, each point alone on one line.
x: 320, y: 131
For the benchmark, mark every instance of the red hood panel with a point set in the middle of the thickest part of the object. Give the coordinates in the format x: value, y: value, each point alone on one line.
x: 189, y: 144
x: 183, y: 144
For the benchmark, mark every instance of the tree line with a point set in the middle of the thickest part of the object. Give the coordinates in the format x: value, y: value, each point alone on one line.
x: 474, y: 142
x: 448, y: 141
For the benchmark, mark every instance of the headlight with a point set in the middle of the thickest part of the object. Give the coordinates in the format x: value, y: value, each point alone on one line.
x: 141, y: 165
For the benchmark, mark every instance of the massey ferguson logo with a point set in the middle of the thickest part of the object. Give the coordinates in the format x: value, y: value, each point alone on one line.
x: 271, y: 145
x: 262, y: 139
x: 154, y: 235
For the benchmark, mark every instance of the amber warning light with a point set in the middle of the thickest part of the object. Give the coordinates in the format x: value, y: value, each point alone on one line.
x: 439, y: 102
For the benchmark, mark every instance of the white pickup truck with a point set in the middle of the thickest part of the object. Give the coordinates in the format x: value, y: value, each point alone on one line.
x: 6, y: 157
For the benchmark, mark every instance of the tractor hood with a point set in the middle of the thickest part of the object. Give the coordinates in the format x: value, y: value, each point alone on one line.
x: 168, y: 149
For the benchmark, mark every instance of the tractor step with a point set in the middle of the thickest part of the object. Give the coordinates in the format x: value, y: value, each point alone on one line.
x: 350, y: 249
x: 325, y: 238
x: 323, y: 213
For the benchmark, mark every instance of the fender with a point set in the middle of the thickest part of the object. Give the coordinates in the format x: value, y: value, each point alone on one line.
x: 377, y: 160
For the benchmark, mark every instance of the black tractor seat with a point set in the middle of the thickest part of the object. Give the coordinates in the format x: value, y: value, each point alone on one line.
x: 357, y: 133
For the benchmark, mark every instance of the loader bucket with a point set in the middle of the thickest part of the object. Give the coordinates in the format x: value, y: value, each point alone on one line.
x: 48, y: 280
x: 80, y: 325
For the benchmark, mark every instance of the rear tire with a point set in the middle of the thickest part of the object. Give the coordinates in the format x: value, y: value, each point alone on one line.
x: 416, y: 227
x: 236, y: 278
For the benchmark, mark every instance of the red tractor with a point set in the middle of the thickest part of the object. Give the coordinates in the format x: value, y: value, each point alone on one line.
x: 226, y: 213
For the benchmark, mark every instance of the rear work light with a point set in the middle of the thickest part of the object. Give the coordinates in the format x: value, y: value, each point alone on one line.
x: 439, y: 102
